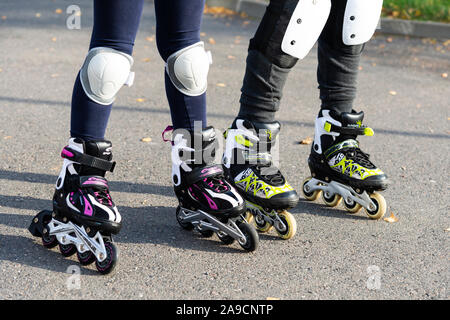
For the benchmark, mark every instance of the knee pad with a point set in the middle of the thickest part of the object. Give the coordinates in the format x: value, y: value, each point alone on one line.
x: 305, y: 26
x: 188, y: 69
x: 104, y: 72
x: 360, y: 21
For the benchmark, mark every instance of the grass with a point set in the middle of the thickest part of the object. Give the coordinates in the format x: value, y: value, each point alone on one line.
x: 430, y: 10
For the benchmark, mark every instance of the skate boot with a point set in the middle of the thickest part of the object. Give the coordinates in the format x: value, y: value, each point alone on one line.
x: 84, y: 217
x: 208, y: 203
x: 248, y: 163
x: 339, y: 169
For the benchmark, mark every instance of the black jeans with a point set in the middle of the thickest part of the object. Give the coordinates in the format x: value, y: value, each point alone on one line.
x: 268, y: 66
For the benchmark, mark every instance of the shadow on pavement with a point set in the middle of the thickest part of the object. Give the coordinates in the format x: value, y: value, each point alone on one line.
x: 225, y: 116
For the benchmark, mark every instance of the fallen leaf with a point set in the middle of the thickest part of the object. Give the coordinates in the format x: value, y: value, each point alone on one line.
x: 140, y: 100
x: 231, y: 57
x: 307, y: 140
x: 38, y: 15
x: 212, y: 41
x: 393, y: 93
x: 54, y: 39
x: 444, y: 75
x: 58, y: 11
x: 391, y: 218
x: 389, y: 39
x: 7, y: 137
x: 223, y: 85
x: 146, y: 139
x: 146, y: 59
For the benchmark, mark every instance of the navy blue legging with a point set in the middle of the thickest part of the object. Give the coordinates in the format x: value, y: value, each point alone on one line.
x: 116, y: 23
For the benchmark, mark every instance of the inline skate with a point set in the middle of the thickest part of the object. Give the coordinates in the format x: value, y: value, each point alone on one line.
x: 248, y: 163
x: 208, y: 203
x: 84, y: 216
x: 340, y: 169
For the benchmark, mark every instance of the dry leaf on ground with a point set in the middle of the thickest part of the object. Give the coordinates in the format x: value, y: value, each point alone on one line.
x: 307, y: 140
x: 391, y: 219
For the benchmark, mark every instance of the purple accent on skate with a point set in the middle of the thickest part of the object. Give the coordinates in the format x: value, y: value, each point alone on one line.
x: 210, y: 171
x: 66, y: 153
x: 96, y: 182
x: 169, y: 128
x: 211, y: 203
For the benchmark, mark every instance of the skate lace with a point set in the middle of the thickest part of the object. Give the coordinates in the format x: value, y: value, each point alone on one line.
x: 360, y: 157
x: 273, y: 178
x: 216, y: 183
x: 103, y: 197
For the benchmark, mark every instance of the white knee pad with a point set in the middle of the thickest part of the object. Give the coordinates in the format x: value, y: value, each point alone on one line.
x: 306, y: 25
x: 188, y: 69
x: 360, y: 21
x: 104, y: 72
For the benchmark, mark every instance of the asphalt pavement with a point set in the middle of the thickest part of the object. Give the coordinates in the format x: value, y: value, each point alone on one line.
x: 403, y: 90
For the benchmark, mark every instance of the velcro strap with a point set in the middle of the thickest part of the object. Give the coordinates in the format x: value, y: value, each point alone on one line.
x: 349, y: 130
x: 93, y: 182
x: 87, y: 160
x: 262, y: 158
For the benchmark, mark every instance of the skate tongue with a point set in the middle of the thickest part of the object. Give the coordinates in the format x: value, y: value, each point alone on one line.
x: 349, y: 119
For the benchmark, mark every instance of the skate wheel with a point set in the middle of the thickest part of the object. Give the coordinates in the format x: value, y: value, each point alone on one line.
x: 352, y: 207
x: 184, y: 225
x: 261, y: 224
x: 206, y: 233
x: 226, y: 239
x: 331, y: 200
x: 309, y: 195
x: 251, y: 241
x: 48, y: 241
x: 288, y: 230
x: 108, y: 265
x: 248, y: 216
x: 85, y: 258
x: 67, y: 249
x: 380, y: 206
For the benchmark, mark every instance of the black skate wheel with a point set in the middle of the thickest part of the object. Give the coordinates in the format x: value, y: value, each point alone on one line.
x: 226, y: 239
x: 261, y: 224
x: 67, y: 249
x: 48, y: 241
x: 184, y: 225
x: 251, y: 241
x: 112, y: 255
x: 85, y: 258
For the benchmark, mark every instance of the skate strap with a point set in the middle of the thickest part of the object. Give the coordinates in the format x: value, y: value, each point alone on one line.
x: 198, y: 174
x: 357, y: 130
x: 93, y: 181
x: 261, y: 158
x: 87, y: 160
x: 342, y: 146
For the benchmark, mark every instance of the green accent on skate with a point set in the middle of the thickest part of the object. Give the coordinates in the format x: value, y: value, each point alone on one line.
x: 368, y: 132
x: 242, y: 141
x: 327, y: 127
x: 269, y: 134
x: 359, y: 123
x: 253, y: 184
x: 349, y: 167
x: 344, y: 144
